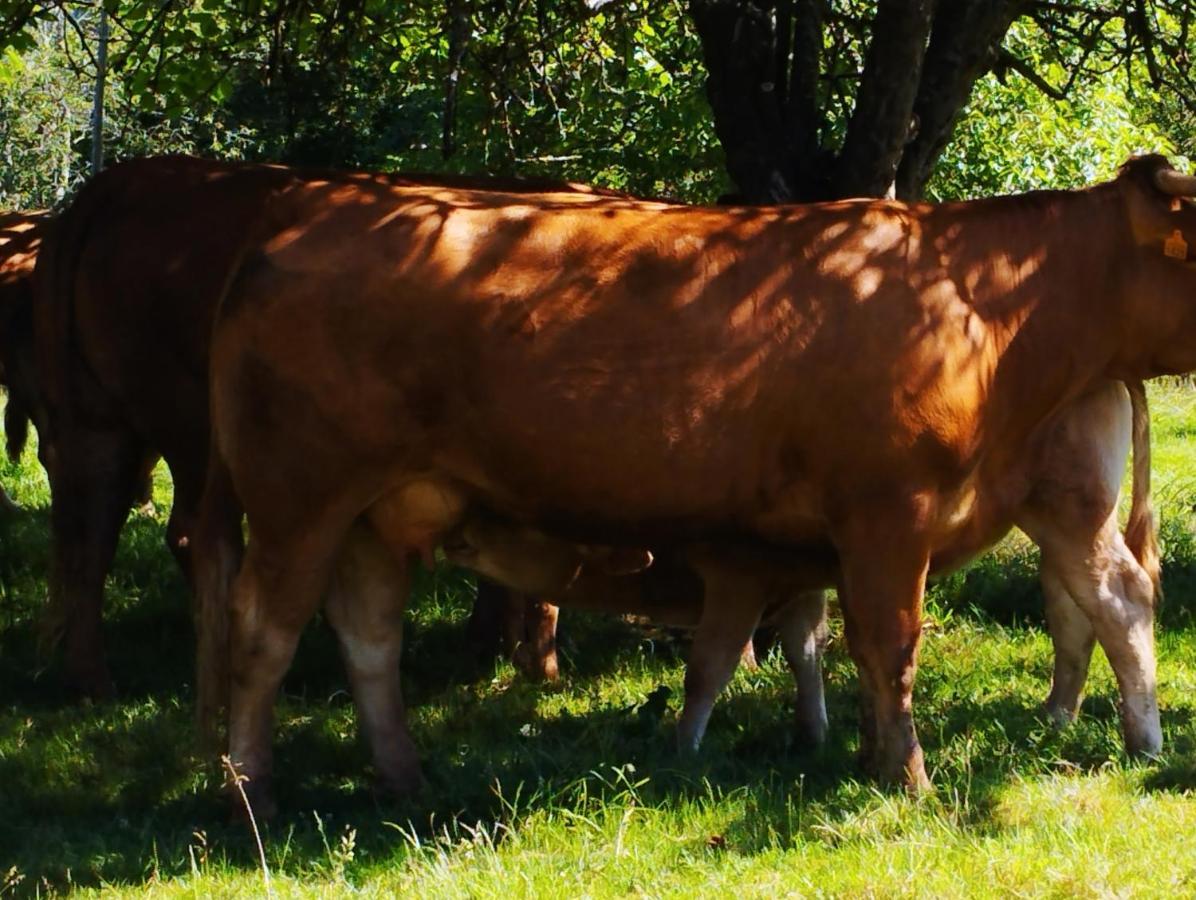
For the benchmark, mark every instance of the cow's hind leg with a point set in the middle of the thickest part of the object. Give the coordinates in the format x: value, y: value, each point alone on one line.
x: 1117, y: 595
x: 365, y: 607
x: 95, y: 477
x: 274, y: 596
x: 802, y: 630
x: 1073, y: 638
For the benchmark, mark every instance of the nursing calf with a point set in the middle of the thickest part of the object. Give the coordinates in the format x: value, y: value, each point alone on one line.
x: 722, y: 591
x: 1071, y: 513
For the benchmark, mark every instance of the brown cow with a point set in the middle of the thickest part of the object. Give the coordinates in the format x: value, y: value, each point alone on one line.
x: 20, y: 238
x: 1076, y: 487
x: 127, y: 304
x: 867, y: 379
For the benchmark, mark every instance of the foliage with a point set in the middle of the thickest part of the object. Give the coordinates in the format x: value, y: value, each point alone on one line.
x: 45, y: 110
x: 1014, y: 137
x: 616, y: 100
x: 617, y: 97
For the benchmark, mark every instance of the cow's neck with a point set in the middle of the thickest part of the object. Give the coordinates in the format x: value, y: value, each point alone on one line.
x: 1054, y: 326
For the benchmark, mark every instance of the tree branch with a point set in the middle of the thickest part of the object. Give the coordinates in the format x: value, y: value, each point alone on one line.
x: 884, y: 108
x: 803, y: 113
x: 1024, y: 69
x: 739, y: 49
x: 964, y: 42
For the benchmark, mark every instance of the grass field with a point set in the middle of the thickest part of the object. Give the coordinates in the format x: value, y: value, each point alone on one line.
x: 574, y: 789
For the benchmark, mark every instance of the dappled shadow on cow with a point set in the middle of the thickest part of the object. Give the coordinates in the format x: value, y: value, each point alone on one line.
x: 948, y: 414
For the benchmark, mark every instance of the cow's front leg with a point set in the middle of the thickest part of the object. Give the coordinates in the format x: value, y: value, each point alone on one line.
x: 883, y: 580
x: 365, y: 607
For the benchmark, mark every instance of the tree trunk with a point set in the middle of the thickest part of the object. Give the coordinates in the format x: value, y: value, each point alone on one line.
x: 884, y: 105
x: 739, y: 44
x: 764, y: 68
x: 97, y: 100
x: 966, y: 37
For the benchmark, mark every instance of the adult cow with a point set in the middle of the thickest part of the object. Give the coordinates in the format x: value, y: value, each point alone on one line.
x: 1071, y: 510
x: 20, y: 238
x: 128, y: 291
x: 866, y: 379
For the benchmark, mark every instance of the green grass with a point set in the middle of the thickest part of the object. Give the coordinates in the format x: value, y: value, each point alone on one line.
x: 571, y: 789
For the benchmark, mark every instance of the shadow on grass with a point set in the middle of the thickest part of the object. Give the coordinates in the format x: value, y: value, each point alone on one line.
x: 114, y: 792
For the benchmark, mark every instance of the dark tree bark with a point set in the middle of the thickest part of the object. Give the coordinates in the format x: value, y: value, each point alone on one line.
x: 964, y: 44
x: 739, y: 44
x: 763, y: 60
x: 884, y: 104
x: 458, y: 32
x: 768, y: 90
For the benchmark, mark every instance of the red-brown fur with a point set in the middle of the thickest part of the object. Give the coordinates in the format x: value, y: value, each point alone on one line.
x: 868, y: 379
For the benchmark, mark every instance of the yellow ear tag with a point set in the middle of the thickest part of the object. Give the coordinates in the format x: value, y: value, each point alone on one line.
x: 1175, y: 246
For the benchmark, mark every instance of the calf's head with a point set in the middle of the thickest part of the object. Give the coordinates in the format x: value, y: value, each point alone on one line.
x: 528, y: 560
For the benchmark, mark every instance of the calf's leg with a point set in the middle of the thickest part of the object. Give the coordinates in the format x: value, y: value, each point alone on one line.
x: 802, y: 629
x: 275, y: 594
x: 730, y: 613
x: 535, y: 653
x: 1116, y: 594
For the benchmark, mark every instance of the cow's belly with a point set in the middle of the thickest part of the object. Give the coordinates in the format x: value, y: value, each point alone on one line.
x: 973, y: 519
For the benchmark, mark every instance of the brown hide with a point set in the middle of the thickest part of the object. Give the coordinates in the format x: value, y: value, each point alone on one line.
x: 127, y: 298
x: 865, y: 377
x: 20, y: 239
x: 621, y: 369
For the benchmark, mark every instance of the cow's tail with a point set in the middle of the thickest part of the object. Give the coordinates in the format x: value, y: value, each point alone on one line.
x: 1141, y: 535
x: 54, y: 279
x: 217, y: 551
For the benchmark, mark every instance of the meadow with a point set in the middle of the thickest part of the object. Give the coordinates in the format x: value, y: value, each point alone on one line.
x: 574, y: 789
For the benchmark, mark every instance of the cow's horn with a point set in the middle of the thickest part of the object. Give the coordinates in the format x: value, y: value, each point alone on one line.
x: 1175, y: 183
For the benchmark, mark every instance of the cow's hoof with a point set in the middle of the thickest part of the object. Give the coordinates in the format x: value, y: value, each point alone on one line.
x: 810, y: 734
x: 535, y: 666
x: 400, y: 785
x: 1145, y: 742
x: 1059, y: 716
x: 253, y: 803
x: 904, y: 769
x: 93, y: 684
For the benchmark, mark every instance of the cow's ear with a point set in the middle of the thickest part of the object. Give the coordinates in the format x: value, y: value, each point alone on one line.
x: 1161, y: 208
x: 616, y: 560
